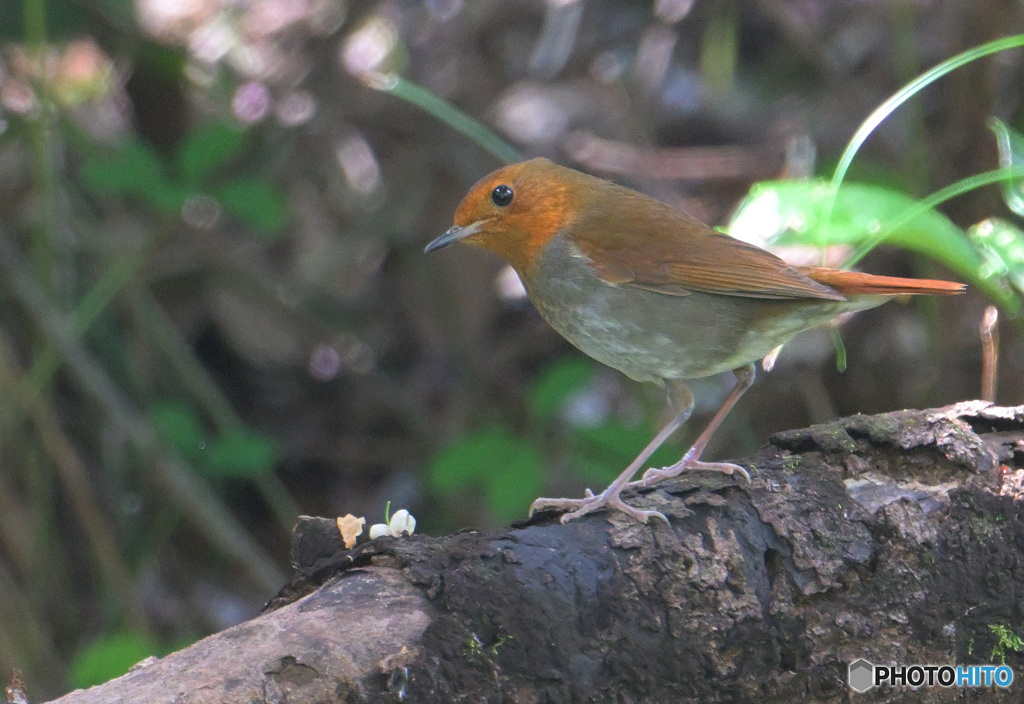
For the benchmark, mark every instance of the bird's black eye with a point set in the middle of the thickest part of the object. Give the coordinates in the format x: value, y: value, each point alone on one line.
x: 501, y: 195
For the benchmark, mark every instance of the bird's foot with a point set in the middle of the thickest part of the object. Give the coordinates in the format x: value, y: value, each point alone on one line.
x: 653, y: 475
x: 589, y: 503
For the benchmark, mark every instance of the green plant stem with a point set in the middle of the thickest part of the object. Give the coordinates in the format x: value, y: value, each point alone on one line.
x: 839, y: 347
x: 40, y: 137
x: 450, y: 115
x: 719, y: 49
x: 114, y: 280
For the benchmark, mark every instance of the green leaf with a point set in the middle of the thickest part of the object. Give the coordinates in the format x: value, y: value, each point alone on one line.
x: 133, y: 170
x: 255, y: 203
x: 206, y: 149
x: 1001, y: 245
x: 240, y: 454
x: 180, y: 427
x: 108, y: 657
x: 514, y: 484
x: 493, y: 459
x: 1011, y: 155
x: 790, y: 213
x: 469, y: 458
x: 168, y: 198
x: 840, y: 348
x: 556, y: 383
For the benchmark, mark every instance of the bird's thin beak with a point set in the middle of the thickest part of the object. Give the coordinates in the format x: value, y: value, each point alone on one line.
x: 455, y: 234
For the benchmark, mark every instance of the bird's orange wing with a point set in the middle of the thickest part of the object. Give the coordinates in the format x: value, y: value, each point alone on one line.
x: 641, y: 242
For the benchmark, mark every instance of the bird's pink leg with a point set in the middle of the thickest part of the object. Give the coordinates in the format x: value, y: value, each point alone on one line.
x: 691, y: 460
x: 610, y: 497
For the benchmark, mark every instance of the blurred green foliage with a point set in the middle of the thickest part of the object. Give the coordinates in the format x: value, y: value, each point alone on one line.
x: 1001, y: 246
x: 108, y: 657
x: 601, y: 452
x: 506, y: 466
x: 554, y: 384
x: 237, y: 453
x: 102, y: 476
x: 135, y: 170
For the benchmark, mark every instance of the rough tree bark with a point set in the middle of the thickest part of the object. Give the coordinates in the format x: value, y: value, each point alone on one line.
x: 898, y: 538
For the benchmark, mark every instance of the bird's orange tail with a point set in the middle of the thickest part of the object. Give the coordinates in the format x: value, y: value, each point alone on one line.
x: 853, y: 282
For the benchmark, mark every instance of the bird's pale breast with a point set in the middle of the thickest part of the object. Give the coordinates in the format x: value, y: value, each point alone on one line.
x: 651, y: 336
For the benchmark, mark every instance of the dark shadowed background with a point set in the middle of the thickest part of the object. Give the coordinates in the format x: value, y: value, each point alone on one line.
x: 216, y: 313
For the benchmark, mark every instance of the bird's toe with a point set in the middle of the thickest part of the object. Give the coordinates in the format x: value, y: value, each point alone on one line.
x: 555, y: 504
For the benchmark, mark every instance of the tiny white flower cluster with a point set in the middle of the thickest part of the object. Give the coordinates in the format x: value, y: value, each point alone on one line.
x: 351, y: 527
x: 401, y: 522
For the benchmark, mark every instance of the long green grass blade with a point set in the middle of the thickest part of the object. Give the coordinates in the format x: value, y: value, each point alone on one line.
x: 451, y: 116
x: 908, y: 91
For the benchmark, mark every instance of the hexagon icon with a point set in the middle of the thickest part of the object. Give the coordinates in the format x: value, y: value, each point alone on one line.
x: 862, y: 675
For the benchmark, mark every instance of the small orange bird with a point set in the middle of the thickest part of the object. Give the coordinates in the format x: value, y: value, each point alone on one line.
x: 652, y: 292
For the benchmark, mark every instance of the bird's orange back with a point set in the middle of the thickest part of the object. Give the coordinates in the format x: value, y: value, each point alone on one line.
x: 627, y: 236
x: 631, y: 239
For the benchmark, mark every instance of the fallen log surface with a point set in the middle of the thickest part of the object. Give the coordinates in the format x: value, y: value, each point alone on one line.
x: 896, y: 538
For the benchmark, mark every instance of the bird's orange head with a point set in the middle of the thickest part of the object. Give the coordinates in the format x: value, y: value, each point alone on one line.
x: 515, y: 211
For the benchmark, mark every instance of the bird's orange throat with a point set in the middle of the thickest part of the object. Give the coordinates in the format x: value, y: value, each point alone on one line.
x: 520, y: 249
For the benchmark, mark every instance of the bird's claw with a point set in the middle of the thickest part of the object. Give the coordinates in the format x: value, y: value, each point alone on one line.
x: 578, y: 508
x: 654, y: 475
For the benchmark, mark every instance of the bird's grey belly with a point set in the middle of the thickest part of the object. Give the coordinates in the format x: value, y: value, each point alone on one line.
x: 650, y: 336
